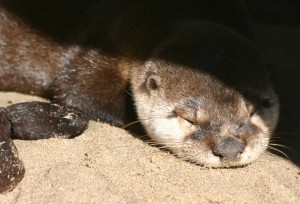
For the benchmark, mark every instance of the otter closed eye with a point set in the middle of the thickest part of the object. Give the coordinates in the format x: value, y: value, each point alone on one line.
x: 267, y: 103
x: 187, y: 116
x: 256, y: 102
x: 186, y: 122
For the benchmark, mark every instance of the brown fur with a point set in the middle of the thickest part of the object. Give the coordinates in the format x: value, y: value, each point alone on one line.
x: 119, y: 29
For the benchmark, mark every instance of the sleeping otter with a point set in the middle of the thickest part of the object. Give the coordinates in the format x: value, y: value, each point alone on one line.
x: 189, y: 69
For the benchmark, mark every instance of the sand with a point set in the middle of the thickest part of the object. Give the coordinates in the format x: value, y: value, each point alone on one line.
x: 108, y: 165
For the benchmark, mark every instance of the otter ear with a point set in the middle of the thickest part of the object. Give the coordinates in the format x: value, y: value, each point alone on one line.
x: 153, y: 82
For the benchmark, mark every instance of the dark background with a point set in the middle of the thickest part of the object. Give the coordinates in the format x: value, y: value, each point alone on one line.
x: 277, y: 33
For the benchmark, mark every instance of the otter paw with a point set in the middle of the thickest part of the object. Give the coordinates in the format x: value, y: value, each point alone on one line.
x: 39, y: 120
x: 11, y: 167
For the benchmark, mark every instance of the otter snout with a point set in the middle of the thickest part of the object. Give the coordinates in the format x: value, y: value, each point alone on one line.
x: 228, y: 148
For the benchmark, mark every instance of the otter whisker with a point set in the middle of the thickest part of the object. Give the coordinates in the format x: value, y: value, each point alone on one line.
x: 280, y: 145
x: 286, y: 133
x: 279, y: 151
x: 279, y: 138
x: 138, y: 121
x: 128, y: 93
x: 129, y: 124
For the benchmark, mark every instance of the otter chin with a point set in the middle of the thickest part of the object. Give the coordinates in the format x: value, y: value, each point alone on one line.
x: 211, y: 105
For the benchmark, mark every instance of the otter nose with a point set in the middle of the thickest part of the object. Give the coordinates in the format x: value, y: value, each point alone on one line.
x: 228, y: 149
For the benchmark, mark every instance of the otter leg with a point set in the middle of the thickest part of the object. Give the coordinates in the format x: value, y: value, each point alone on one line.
x: 11, y: 167
x: 96, y: 84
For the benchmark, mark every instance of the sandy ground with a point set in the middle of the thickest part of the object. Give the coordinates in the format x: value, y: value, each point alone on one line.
x: 108, y: 165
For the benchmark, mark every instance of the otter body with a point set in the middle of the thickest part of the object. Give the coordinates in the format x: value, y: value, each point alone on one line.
x: 198, y: 84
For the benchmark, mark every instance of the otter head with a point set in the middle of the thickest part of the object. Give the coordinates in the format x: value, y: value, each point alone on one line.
x: 206, y: 96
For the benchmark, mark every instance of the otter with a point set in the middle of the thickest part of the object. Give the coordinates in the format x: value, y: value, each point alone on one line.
x: 188, y: 71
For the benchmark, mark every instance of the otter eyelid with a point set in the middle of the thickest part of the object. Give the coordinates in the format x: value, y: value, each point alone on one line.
x: 253, y: 112
x: 189, y: 121
x: 173, y: 115
x: 193, y: 123
x: 267, y: 102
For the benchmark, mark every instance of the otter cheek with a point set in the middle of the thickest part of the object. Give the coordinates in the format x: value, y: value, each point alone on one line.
x: 252, y: 152
x: 261, y: 124
x: 256, y: 145
x: 167, y: 130
x: 171, y: 132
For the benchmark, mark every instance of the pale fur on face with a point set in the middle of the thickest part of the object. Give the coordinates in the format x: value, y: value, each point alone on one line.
x: 174, y: 133
x: 203, y: 75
